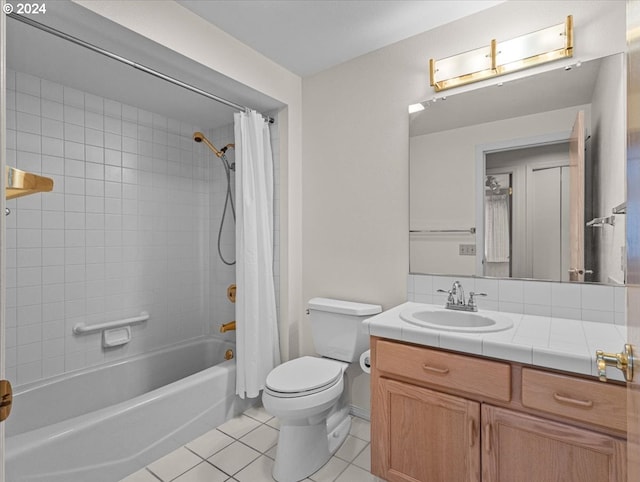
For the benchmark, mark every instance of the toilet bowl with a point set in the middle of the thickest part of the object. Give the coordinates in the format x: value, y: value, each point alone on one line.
x: 307, y: 394
x: 308, y: 434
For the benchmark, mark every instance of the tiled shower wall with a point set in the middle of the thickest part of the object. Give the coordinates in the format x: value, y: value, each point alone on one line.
x: 131, y: 226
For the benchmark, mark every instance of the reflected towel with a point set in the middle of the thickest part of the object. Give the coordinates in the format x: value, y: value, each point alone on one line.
x: 496, y: 228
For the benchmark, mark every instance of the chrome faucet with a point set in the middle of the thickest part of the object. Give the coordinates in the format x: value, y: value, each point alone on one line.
x: 458, y: 293
x: 456, y: 300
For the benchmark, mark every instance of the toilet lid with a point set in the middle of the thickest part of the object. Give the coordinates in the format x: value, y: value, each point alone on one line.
x: 304, y: 374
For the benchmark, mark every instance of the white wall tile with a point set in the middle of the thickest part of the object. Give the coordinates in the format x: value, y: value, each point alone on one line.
x: 115, y: 236
x: 27, y: 103
x: 600, y: 303
x: 28, y: 84
x: 596, y: 297
x: 51, y: 90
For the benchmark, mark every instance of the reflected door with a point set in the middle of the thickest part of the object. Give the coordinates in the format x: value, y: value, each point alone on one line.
x: 576, y: 199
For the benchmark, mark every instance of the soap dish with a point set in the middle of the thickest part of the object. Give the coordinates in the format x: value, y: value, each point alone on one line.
x: 116, y: 337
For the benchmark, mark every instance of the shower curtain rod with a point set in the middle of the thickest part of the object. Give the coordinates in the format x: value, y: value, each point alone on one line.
x: 131, y: 63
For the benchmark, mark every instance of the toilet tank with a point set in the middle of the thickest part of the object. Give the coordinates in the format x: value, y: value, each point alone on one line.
x: 337, y: 327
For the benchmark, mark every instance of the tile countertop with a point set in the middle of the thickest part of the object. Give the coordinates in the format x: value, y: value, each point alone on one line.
x: 558, y: 343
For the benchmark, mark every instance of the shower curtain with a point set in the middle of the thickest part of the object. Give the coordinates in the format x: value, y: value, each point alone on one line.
x: 257, y: 341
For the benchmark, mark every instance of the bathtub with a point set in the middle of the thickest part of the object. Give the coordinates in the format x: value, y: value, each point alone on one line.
x: 104, y: 423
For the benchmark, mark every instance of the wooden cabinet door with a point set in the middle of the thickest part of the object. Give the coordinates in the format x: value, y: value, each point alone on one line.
x: 519, y: 447
x: 423, y: 435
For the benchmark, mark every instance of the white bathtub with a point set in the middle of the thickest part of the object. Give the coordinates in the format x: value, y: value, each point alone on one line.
x: 104, y: 423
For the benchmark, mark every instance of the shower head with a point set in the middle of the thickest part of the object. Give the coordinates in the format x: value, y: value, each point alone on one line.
x: 492, y: 183
x: 200, y: 137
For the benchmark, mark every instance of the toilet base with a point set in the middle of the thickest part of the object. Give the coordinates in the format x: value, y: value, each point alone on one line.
x: 304, y: 449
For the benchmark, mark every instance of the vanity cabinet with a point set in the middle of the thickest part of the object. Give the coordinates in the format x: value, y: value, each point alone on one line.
x: 439, y: 416
x: 518, y: 446
x: 415, y: 419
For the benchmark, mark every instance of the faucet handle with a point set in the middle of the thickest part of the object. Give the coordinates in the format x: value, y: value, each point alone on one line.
x: 472, y: 301
x: 450, y: 293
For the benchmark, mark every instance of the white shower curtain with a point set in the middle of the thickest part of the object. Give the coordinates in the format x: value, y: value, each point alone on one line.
x: 257, y: 342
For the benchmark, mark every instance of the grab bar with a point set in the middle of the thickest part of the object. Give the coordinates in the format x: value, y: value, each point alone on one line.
x: 82, y: 328
x: 427, y: 231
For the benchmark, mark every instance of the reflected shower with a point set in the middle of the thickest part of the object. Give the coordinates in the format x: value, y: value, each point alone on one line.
x: 228, y: 201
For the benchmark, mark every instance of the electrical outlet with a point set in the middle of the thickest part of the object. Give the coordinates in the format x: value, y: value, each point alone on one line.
x: 467, y: 249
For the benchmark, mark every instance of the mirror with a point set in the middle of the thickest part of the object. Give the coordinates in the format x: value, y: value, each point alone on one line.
x: 495, y: 185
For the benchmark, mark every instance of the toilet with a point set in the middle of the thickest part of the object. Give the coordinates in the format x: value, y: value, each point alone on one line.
x: 307, y: 394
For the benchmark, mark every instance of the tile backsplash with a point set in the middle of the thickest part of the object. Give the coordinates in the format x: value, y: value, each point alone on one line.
x: 588, y: 302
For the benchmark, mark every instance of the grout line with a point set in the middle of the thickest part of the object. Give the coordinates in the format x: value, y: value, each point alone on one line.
x: 261, y: 423
x: 147, y: 469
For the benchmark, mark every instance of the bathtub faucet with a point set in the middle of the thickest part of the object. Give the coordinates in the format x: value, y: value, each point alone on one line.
x: 228, y: 326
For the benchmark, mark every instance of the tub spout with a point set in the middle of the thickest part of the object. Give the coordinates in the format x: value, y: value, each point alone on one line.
x: 228, y: 326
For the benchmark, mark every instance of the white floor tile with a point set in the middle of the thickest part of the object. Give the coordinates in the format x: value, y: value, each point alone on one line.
x: 205, y: 472
x: 356, y: 474
x: 258, y: 471
x: 239, y: 426
x: 210, y: 443
x: 234, y: 458
x: 351, y: 448
x: 141, y: 476
x: 262, y: 438
x: 360, y: 428
x: 258, y: 413
x: 275, y: 423
x: 330, y: 470
x: 364, y: 459
x: 174, y: 464
x: 271, y: 453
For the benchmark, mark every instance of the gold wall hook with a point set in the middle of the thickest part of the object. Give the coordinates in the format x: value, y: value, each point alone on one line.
x: 622, y: 361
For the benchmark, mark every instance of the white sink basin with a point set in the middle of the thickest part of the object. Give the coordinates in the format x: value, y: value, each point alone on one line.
x: 451, y: 320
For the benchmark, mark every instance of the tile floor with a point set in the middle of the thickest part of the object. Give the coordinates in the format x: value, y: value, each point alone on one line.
x: 243, y: 450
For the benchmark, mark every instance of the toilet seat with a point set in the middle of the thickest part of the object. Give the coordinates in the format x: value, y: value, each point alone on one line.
x: 303, y: 376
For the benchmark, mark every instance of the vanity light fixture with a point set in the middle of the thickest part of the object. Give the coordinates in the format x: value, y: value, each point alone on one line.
x: 499, y: 58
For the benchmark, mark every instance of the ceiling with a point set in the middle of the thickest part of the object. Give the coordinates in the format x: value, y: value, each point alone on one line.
x: 309, y: 36
x: 326, y: 33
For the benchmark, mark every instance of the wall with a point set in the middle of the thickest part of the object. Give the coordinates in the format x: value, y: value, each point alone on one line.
x: 355, y: 178
x: 440, y: 200
x: 126, y: 229
x: 171, y: 25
